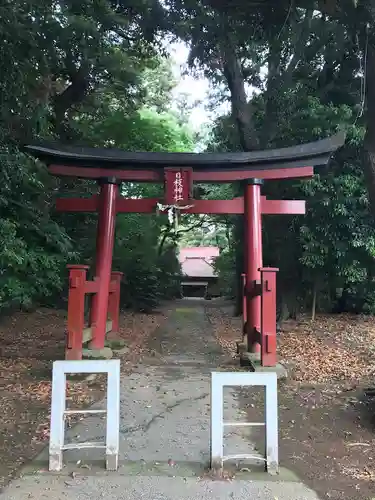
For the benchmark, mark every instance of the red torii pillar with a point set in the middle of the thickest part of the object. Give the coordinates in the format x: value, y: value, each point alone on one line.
x: 103, y: 265
x: 253, y: 257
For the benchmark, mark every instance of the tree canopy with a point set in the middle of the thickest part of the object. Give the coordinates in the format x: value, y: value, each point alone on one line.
x: 98, y: 73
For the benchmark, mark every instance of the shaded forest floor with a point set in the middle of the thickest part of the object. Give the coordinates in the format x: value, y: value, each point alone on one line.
x: 327, y: 414
x: 29, y: 342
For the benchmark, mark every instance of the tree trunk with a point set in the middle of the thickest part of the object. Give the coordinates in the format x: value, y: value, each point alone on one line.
x: 73, y: 95
x: 241, y: 108
x: 313, y: 307
x: 369, y: 142
x: 283, y: 313
x: 242, y: 113
x: 162, y: 242
x: 270, y: 124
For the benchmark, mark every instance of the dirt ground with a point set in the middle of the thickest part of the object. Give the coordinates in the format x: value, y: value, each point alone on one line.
x: 327, y: 412
x: 29, y: 343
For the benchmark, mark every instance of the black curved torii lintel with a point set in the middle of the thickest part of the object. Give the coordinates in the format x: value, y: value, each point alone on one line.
x: 307, y: 155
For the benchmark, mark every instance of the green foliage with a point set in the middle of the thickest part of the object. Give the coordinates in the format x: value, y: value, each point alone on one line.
x: 169, y: 276
x: 88, y: 73
x: 207, y: 232
x: 94, y: 73
x: 306, y: 62
x: 142, y: 130
x: 33, y: 247
x: 149, y: 274
x: 333, y: 245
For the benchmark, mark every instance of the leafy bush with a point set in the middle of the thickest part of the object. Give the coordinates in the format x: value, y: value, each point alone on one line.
x: 33, y: 249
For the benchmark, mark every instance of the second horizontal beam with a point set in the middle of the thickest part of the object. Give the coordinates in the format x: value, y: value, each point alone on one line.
x: 218, y: 207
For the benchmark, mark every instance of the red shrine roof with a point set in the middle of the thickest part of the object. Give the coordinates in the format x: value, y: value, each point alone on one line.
x: 197, y: 262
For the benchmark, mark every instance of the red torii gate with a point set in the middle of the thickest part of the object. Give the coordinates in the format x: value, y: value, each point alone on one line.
x: 179, y: 171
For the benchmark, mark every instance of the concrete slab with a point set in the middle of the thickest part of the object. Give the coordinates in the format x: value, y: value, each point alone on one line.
x: 105, y: 353
x: 252, y: 360
x: 241, y: 347
x: 154, y: 488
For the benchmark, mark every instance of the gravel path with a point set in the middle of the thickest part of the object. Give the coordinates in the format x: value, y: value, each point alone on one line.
x: 164, y: 433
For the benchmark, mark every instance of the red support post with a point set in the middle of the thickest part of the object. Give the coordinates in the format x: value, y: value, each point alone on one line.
x: 104, y: 251
x: 253, y: 259
x: 114, y: 300
x: 268, y: 316
x: 76, y: 311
